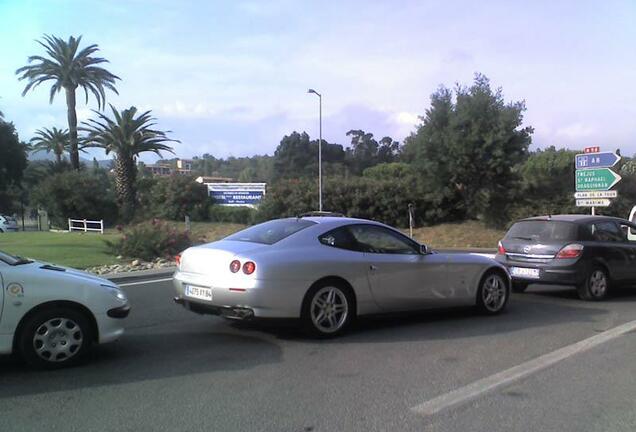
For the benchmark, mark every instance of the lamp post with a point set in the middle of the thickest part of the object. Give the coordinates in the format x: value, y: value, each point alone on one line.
x: 319, y: 147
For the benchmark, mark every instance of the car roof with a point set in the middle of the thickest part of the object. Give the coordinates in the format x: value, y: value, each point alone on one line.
x: 575, y: 218
x: 335, y: 221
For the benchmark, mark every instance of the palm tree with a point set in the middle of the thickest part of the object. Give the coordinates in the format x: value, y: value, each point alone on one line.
x: 127, y: 135
x: 69, y: 69
x: 51, y: 140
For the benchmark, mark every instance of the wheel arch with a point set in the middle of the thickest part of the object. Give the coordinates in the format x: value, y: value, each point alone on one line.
x: 494, y: 269
x: 601, y: 263
x: 338, y: 280
x: 57, y: 304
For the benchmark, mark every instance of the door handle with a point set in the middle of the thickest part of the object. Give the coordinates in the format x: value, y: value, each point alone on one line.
x: 372, y: 267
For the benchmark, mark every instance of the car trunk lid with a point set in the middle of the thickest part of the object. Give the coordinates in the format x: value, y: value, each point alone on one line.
x: 215, y: 258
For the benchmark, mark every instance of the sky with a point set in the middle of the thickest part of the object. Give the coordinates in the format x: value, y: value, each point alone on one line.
x: 230, y: 78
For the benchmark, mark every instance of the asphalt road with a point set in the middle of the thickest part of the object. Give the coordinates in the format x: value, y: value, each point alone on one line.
x: 177, y: 371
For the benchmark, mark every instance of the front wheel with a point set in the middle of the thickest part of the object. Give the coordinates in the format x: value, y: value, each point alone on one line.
x: 55, y: 338
x: 595, y: 286
x: 492, y: 294
x: 328, y: 309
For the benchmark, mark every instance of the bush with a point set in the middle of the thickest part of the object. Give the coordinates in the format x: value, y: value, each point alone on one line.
x: 77, y: 195
x: 238, y: 215
x: 150, y: 240
x: 173, y: 198
x: 370, y: 198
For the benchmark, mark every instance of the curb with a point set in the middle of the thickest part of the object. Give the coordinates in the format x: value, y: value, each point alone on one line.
x: 141, y: 274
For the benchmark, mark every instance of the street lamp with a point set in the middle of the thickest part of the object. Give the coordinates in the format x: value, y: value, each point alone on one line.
x: 319, y: 147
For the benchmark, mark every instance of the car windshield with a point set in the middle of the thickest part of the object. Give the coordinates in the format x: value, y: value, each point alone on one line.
x: 272, y: 231
x: 542, y: 231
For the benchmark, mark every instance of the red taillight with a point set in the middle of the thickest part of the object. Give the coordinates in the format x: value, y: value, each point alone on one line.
x: 177, y: 259
x: 235, y: 266
x: 500, y: 249
x: 249, y: 267
x: 570, y: 251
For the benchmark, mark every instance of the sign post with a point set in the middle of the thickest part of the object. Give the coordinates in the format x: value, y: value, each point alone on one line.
x: 594, y: 178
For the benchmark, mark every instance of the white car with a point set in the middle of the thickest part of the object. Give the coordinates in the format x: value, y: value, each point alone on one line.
x: 52, y: 315
x: 8, y: 224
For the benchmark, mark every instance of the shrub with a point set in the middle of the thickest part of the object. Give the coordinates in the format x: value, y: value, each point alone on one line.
x: 238, y: 215
x: 76, y: 194
x: 370, y: 198
x: 173, y: 198
x: 150, y: 240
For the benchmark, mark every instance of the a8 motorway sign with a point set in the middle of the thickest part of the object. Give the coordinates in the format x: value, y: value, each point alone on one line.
x: 596, y: 160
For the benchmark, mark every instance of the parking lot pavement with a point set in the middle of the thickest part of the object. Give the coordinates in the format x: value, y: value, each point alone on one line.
x: 174, y: 370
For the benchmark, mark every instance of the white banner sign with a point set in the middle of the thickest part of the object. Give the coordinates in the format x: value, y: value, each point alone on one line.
x: 597, y: 202
x: 596, y: 194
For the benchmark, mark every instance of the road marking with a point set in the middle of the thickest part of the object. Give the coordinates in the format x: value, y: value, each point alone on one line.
x: 145, y: 282
x: 503, y: 378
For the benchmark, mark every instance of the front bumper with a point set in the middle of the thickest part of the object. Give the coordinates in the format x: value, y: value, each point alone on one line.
x: 119, y: 312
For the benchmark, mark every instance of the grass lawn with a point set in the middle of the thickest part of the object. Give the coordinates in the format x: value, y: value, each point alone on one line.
x: 81, y: 250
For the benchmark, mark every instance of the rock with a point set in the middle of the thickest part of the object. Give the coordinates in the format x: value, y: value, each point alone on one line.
x: 135, y: 263
x: 119, y: 257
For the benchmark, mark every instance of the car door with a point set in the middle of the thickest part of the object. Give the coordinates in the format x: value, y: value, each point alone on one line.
x: 400, y: 277
x: 611, y: 247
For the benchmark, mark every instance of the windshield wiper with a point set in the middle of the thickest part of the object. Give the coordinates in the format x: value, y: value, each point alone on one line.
x: 21, y: 261
x: 522, y: 238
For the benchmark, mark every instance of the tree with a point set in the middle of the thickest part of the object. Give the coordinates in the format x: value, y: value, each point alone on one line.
x: 69, y: 69
x: 366, y: 152
x: 469, y: 150
x: 127, y: 135
x: 13, y: 161
x: 297, y: 157
x: 51, y: 140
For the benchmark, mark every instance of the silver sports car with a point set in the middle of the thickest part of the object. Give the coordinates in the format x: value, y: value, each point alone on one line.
x: 328, y: 270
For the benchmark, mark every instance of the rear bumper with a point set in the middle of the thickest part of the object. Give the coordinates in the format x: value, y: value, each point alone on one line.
x: 550, y: 274
x: 256, y: 298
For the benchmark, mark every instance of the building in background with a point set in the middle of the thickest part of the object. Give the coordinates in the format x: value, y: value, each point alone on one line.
x: 183, y: 167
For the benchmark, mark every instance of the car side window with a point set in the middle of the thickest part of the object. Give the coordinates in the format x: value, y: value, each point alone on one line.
x: 607, y: 232
x: 377, y: 239
x: 340, y: 238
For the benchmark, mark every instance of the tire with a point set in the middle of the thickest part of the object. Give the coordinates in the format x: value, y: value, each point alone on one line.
x: 519, y: 287
x: 54, y: 338
x: 327, y: 310
x: 596, y: 285
x: 493, y: 293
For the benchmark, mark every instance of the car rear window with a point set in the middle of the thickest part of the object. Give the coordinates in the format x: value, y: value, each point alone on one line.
x: 272, y: 231
x: 542, y: 231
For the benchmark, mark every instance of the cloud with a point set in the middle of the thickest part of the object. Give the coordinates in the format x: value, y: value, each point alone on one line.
x: 575, y: 131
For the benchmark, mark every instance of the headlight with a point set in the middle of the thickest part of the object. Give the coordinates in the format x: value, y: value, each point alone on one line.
x: 117, y: 293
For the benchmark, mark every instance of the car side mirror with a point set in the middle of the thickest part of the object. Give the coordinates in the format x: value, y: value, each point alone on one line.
x: 424, y: 249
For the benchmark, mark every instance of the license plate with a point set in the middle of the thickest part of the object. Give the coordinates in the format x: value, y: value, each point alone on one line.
x: 524, y: 272
x: 197, y: 292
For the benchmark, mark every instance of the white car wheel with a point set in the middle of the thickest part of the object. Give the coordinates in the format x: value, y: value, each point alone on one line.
x: 54, y: 338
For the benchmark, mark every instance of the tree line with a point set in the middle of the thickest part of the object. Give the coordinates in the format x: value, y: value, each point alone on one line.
x: 469, y: 158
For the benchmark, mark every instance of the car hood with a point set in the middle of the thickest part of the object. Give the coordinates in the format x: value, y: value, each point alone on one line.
x: 67, y: 272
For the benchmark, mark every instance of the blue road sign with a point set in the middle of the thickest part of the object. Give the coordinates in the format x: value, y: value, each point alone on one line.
x: 596, y: 160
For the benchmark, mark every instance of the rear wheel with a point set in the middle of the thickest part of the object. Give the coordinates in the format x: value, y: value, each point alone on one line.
x: 55, y: 338
x: 519, y: 287
x: 596, y: 285
x: 328, y: 309
x: 493, y: 293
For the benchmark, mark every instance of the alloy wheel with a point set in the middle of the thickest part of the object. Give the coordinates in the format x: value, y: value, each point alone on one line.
x: 493, y: 293
x: 598, y: 283
x: 329, y: 309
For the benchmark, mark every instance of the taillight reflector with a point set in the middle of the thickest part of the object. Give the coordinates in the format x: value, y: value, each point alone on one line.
x: 249, y: 267
x: 570, y: 251
x: 500, y: 249
x: 177, y: 259
x: 235, y: 266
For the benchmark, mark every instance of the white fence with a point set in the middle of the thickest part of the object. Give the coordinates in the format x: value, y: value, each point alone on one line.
x: 86, y: 225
